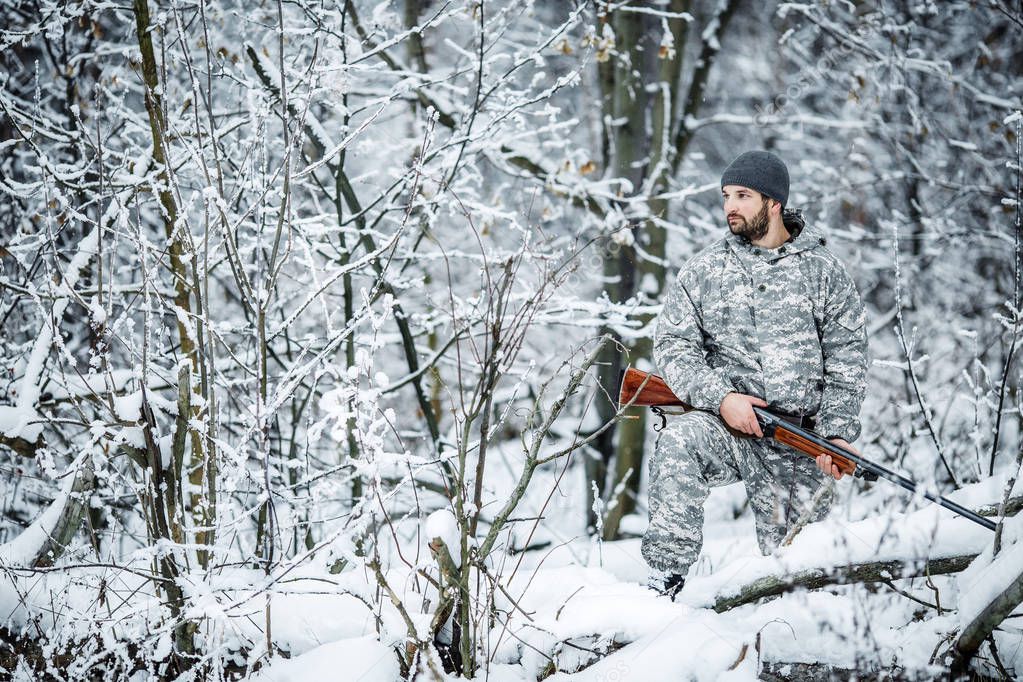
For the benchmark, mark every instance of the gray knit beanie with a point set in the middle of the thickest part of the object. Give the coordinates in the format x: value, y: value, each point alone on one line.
x: 762, y: 171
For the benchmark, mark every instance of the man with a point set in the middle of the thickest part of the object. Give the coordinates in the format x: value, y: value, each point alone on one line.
x: 765, y: 316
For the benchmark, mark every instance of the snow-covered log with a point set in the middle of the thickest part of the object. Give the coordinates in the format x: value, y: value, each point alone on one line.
x: 20, y: 424
x: 47, y: 537
x: 990, y: 590
x: 926, y: 542
x: 813, y: 578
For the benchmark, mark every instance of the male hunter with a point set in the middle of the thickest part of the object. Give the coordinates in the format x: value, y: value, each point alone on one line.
x: 764, y: 316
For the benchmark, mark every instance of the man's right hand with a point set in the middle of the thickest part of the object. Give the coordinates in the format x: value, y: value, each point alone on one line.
x: 737, y: 411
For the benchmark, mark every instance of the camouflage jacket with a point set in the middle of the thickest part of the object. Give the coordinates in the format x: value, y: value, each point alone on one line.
x: 784, y: 324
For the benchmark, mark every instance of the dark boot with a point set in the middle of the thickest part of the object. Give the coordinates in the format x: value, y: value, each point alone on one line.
x: 668, y: 584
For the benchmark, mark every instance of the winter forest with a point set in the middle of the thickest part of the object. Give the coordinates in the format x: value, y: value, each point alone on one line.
x: 312, y: 314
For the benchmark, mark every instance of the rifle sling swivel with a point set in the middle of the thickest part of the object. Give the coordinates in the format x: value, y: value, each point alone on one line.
x: 663, y: 415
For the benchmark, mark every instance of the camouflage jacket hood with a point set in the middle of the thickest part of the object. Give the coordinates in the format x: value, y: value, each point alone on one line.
x: 784, y: 324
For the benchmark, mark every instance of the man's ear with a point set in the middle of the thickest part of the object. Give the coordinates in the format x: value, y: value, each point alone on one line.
x: 775, y: 207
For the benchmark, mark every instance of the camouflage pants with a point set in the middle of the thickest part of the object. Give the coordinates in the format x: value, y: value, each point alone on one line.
x: 695, y: 452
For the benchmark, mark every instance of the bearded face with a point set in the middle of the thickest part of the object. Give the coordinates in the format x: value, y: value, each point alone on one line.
x: 752, y: 229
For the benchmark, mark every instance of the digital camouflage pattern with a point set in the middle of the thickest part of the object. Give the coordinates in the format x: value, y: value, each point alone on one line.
x: 696, y: 452
x: 783, y: 324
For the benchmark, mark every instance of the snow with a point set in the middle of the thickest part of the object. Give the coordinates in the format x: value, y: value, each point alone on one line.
x: 22, y: 550
x: 21, y: 592
x: 16, y: 423
x: 129, y: 407
x: 307, y: 608
x: 831, y: 547
x: 670, y: 641
x: 97, y: 312
x: 593, y: 594
x: 710, y: 34
x: 988, y: 575
x: 358, y: 658
x: 304, y: 621
x: 698, y: 647
x: 964, y: 145
x: 528, y: 174
x: 442, y: 524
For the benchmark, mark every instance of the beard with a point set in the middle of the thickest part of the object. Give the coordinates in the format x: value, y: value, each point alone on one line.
x: 753, y: 229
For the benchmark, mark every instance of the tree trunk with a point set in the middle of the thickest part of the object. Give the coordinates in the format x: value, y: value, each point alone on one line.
x: 650, y: 266
x: 641, y: 151
x: 626, y: 96
x: 178, y: 262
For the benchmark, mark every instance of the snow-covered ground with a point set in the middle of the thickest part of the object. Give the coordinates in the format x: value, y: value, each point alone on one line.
x: 584, y: 606
x: 572, y: 607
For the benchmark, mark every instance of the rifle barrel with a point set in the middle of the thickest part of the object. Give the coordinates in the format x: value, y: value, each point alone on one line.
x: 768, y: 419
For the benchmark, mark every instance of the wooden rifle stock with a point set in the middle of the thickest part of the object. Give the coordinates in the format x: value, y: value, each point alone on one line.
x: 650, y: 390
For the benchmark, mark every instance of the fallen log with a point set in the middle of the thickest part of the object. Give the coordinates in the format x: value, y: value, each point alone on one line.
x: 814, y: 578
x: 47, y: 537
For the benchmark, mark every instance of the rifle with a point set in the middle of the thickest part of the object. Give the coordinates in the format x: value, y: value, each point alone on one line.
x: 641, y: 389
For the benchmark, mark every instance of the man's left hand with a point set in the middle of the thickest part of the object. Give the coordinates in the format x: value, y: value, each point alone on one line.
x: 825, y: 464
